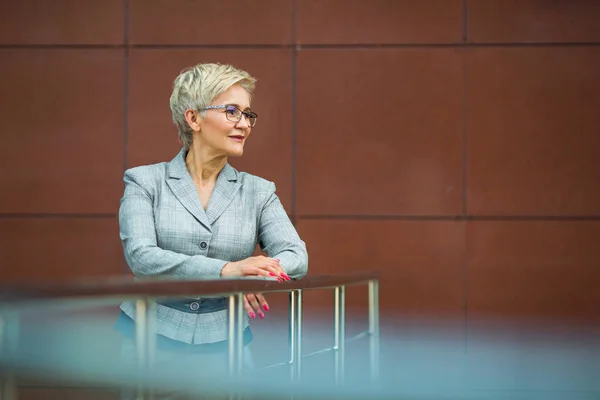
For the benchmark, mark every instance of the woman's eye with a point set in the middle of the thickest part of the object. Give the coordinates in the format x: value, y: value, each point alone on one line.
x: 231, y: 111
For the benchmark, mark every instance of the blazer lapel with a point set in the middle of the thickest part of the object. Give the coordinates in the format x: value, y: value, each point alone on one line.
x: 226, y: 188
x: 182, y: 186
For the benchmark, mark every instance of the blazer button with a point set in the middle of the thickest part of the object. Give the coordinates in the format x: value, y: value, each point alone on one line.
x: 203, y: 245
x: 194, y: 306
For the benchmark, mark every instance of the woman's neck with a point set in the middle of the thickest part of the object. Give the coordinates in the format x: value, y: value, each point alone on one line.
x: 203, y: 168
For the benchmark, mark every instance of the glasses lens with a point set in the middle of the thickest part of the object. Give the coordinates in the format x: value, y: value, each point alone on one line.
x: 233, y: 114
x: 251, y: 117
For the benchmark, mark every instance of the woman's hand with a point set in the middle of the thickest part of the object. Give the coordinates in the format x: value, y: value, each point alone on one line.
x: 256, y: 266
x: 255, y: 304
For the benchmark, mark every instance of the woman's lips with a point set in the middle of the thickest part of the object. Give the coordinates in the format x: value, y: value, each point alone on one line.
x: 237, y: 138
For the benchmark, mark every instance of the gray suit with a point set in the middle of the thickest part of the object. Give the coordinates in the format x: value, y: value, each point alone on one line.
x: 166, y: 231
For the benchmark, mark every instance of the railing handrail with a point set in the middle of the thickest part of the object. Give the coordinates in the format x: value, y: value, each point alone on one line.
x: 128, y: 286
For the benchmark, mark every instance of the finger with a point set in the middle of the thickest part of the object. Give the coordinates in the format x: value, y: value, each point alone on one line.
x: 266, y: 260
x: 270, y: 263
x: 262, y: 301
x: 281, y: 271
x: 286, y: 276
x: 264, y: 270
x: 255, y: 305
x: 275, y: 264
x: 248, y: 308
x: 269, y: 268
x: 279, y: 276
x: 271, y: 271
x: 257, y: 271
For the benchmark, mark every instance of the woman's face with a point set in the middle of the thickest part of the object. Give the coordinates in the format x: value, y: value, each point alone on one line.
x: 218, y: 134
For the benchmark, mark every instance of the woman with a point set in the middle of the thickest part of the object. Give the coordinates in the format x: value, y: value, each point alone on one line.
x: 197, y: 217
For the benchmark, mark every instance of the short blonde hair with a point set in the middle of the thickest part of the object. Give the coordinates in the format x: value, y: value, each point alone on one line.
x: 196, y: 87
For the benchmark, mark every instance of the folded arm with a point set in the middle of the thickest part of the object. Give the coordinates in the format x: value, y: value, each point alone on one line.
x: 279, y: 239
x: 138, y: 236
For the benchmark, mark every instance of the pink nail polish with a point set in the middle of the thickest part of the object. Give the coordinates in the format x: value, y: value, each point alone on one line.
x: 252, y: 315
x: 272, y: 274
x: 266, y: 307
x: 261, y: 315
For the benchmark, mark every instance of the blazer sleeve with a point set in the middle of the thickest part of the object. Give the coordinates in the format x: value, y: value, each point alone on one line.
x: 279, y: 239
x: 138, y: 236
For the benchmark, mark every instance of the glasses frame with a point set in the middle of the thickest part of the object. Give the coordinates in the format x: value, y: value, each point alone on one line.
x: 248, y: 114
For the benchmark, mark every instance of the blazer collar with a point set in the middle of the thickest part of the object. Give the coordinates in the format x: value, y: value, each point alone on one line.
x: 182, y: 185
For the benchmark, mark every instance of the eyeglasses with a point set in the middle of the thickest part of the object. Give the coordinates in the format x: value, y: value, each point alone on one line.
x: 234, y: 114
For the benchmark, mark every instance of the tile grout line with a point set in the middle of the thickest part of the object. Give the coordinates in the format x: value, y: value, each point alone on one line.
x: 57, y: 215
x: 356, y: 217
x: 125, y: 98
x: 294, y: 110
x: 125, y: 83
x: 457, y: 217
x: 328, y: 46
x: 465, y: 272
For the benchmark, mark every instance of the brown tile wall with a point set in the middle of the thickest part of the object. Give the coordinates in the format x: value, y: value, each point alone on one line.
x: 452, y: 144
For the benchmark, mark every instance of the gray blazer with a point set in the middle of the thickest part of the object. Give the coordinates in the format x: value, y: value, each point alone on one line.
x: 165, y: 231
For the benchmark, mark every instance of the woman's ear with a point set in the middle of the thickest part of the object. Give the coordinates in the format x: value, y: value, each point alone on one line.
x: 193, y: 119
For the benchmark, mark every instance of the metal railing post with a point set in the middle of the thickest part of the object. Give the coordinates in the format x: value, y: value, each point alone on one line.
x: 374, y: 330
x: 145, y: 339
x: 236, y: 338
x: 295, y: 334
x: 339, y: 327
x: 9, y: 339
